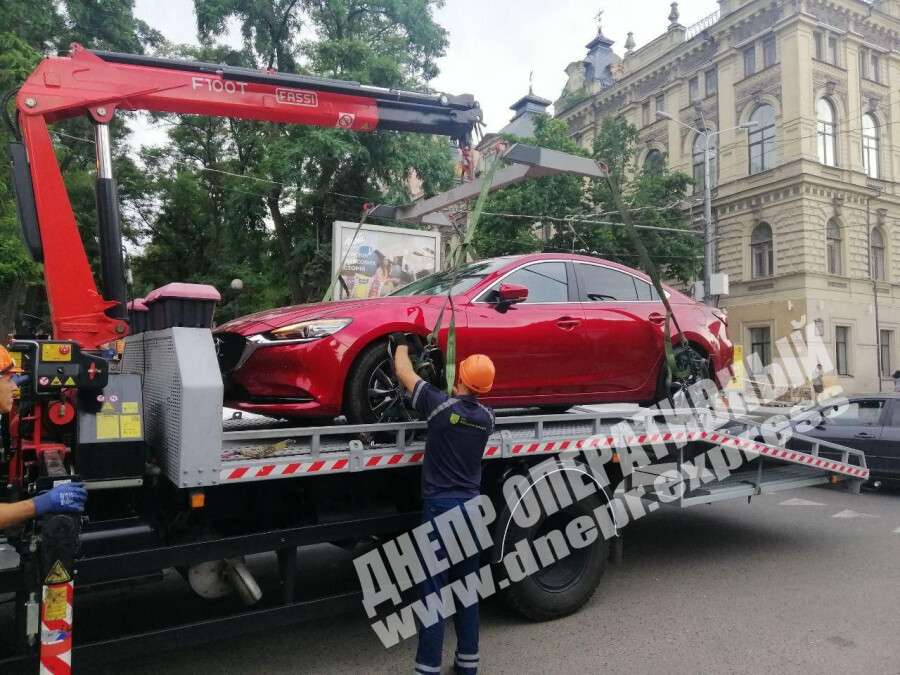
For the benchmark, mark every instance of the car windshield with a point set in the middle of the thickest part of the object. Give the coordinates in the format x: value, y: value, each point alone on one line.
x: 453, y: 283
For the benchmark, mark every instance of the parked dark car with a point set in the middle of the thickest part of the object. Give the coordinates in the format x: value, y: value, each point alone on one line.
x: 867, y: 422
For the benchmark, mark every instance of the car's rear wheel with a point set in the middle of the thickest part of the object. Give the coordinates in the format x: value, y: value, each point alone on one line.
x: 693, y: 367
x: 373, y: 394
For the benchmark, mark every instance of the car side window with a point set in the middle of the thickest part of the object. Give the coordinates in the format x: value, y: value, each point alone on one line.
x: 545, y: 281
x: 895, y: 414
x: 864, y: 412
x: 602, y: 284
x: 646, y: 291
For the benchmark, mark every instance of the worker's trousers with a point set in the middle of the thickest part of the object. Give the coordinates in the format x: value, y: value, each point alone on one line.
x: 465, y: 619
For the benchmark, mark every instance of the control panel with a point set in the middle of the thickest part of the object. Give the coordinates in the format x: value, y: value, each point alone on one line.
x: 54, y: 365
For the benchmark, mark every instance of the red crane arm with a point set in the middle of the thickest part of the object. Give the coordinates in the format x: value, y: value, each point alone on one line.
x: 99, y: 83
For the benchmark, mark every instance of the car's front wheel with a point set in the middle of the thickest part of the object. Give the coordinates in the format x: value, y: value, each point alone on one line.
x: 373, y: 394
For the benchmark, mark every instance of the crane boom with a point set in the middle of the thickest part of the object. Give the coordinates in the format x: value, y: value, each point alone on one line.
x: 97, y: 83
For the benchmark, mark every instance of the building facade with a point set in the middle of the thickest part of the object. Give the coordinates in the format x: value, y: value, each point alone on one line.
x: 804, y: 98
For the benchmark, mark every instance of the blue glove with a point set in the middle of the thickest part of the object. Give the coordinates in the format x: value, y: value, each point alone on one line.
x: 63, y: 498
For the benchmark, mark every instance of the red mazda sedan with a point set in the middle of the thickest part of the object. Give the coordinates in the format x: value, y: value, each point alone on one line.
x: 561, y: 329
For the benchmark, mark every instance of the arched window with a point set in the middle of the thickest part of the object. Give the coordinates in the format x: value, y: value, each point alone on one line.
x: 699, y: 167
x: 762, y: 139
x: 654, y: 163
x: 878, y: 254
x: 870, y: 145
x: 825, y: 125
x: 762, y: 257
x: 834, y: 247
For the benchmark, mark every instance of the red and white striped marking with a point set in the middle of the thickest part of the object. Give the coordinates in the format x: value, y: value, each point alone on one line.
x: 320, y: 466
x: 56, y: 629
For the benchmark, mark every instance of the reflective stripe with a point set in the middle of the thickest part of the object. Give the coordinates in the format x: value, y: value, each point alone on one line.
x: 467, y: 657
x: 427, y: 669
x: 489, y: 412
x: 416, y: 391
x: 442, y: 407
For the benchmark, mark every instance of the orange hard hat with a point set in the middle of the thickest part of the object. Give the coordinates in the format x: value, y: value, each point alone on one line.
x: 477, y: 373
x: 7, y: 364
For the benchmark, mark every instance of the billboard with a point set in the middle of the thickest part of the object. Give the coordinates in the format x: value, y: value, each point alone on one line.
x: 378, y: 260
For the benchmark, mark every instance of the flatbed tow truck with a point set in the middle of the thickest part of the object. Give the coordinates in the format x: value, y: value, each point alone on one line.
x: 172, y: 485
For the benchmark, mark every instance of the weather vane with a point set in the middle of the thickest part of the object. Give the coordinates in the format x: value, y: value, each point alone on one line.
x: 599, y: 18
x: 531, y: 82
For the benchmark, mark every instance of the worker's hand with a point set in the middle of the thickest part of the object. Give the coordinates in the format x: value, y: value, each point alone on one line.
x: 396, y: 340
x: 64, y: 498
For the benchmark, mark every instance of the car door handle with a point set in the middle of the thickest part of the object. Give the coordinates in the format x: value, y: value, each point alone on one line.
x: 657, y: 318
x: 863, y: 434
x: 568, y: 322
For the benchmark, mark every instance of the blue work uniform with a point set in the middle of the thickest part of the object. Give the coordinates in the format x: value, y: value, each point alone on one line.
x: 458, y: 431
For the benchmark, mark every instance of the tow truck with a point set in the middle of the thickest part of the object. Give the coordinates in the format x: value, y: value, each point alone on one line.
x: 172, y: 484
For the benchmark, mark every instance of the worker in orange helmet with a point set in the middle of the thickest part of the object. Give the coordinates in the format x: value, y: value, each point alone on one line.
x: 458, y: 431
x: 63, y: 498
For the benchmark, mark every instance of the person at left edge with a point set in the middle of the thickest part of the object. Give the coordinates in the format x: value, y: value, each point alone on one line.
x: 458, y: 431
x: 63, y: 498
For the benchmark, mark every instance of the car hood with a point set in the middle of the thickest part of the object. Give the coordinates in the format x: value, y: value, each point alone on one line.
x: 264, y: 321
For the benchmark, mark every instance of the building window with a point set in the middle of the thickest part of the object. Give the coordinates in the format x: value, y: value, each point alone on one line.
x: 831, y: 54
x: 769, y: 51
x: 654, y: 163
x: 885, y: 346
x: 661, y: 103
x: 712, y: 82
x: 693, y: 89
x: 864, y: 63
x: 698, y: 152
x: 876, y: 67
x: 749, y: 60
x: 878, y: 270
x: 834, y: 247
x: 646, y: 113
x: 825, y: 124
x: 761, y: 137
x: 870, y: 145
x: 842, y: 349
x: 818, y: 42
x: 762, y: 254
x: 761, y: 344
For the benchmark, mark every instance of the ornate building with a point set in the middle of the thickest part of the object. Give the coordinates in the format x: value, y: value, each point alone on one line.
x: 806, y: 199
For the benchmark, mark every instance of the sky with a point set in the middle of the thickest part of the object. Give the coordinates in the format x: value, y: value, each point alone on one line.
x: 494, y: 44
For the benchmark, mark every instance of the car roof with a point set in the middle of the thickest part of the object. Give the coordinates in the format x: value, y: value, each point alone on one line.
x: 574, y: 257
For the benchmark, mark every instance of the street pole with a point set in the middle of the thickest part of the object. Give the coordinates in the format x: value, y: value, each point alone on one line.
x: 709, y: 238
x: 878, y: 373
x: 708, y: 233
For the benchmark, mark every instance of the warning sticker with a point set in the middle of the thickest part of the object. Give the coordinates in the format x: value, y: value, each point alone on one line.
x: 108, y: 407
x: 131, y: 426
x: 56, y: 352
x: 130, y: 408
x: 55, y: 604
x: 57, y: 574
x: 16, y: 359
x: 107, y: 427
x: 56, y: 382
x: 70, y: 381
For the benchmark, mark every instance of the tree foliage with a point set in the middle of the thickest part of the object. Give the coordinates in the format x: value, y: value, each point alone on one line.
x: 582, y: 213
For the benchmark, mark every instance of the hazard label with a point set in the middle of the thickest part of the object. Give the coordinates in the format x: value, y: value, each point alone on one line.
x: 55, y: 604
x: 107, y: 427
x: 57, y: 575
x: 131, y: 426
x: 108, y: 407
x: 16, y: 359
x: 56, y: 382
x: 56, y: 352
x: 70, y: 381
x: 130, y: 408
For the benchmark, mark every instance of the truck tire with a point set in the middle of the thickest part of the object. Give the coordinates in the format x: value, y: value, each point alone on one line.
x: 565, y: 586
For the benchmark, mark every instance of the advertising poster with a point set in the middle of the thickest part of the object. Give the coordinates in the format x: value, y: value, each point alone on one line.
x: 379, y: 260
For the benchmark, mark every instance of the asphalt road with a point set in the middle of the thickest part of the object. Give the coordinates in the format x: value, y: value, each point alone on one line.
x: 801, y: 582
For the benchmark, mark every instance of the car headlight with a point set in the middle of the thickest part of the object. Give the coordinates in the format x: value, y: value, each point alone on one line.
x: 310, y: 330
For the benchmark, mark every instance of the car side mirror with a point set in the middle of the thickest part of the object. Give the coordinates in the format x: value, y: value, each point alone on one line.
x: 510, y: 294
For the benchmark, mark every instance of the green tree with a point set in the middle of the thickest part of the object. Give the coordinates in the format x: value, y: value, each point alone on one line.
x: 583, y: 214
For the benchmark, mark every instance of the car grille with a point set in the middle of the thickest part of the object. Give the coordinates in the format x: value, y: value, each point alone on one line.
x: 229, y: 349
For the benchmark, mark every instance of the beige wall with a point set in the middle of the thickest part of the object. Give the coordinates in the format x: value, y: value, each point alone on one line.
x: 799, y: 196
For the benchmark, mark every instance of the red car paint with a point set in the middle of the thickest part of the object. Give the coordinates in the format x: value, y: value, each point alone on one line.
x: 546, y: 353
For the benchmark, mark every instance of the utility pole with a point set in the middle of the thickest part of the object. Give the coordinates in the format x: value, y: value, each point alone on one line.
x: 872, y: 277
x: 709, y: 235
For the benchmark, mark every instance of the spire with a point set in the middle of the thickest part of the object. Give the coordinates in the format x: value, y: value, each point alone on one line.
x: 600, y: 39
